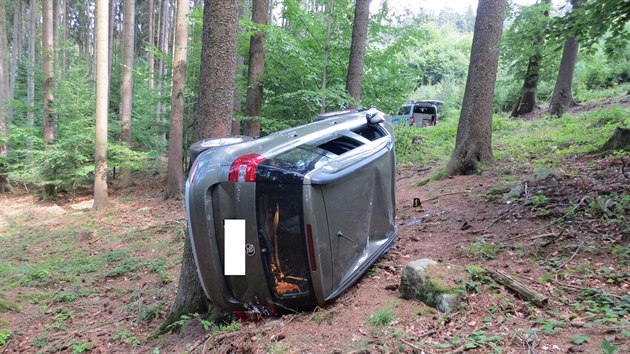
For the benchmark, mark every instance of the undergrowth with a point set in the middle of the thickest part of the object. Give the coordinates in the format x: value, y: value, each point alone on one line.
x: 545, y: 141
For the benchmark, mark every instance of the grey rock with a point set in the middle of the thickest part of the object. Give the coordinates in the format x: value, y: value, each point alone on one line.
x: 544, y: 173
x: 514, y: 193
x: 415, y: 283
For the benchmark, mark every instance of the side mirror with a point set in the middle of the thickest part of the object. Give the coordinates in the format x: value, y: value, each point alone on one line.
x: 374, y: 119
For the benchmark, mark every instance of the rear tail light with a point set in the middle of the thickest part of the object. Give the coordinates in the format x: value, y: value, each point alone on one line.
x: 243, y: 169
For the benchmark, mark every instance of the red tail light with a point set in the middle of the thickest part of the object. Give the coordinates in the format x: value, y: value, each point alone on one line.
x: 311, y: 247
x: 243, y: 169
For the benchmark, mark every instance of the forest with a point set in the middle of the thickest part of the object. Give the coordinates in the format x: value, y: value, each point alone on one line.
x: 100, y: 101
x: 300, y: 70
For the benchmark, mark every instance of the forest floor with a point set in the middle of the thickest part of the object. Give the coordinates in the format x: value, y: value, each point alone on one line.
x: 74, y: 280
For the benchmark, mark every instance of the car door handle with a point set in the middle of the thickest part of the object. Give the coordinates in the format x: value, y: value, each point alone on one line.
x: 340, y: 234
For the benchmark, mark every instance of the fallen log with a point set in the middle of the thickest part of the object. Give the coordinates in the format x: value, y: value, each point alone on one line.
x: 525, y: 291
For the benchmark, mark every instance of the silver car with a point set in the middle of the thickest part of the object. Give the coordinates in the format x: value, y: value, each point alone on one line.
x: 291, y: 220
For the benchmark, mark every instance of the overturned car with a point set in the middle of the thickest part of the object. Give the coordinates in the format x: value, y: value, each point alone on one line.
x: 291, y: 220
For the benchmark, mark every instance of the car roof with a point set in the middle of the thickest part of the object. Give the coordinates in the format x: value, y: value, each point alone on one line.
x: 424, y: 103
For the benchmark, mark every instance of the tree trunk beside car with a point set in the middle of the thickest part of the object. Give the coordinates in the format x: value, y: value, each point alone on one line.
x: 474, y: 132
x: 253, y: 103
x: 357, y: 51
x: 214, y: 119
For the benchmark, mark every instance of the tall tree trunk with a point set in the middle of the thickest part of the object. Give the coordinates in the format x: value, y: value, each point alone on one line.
x: 4, y: 78
x: 30, y: 71
x: 64, y: 39
x: 214, y: 116
x: 56, y: 18
x: 357, y: 50
x: 253, y: 104
x: 163, y: 48
x: 562, y: 97
x: 322, y: 108
x: 110, y: 42
x: 102, y: 94
x: 243, y: 12
x: 474, y: 131
x: 126, y: 86
x: 216, y: 75
x: 151, y: 46
x: 527, y: 101
x: 48, y: 71
x: 16, y: 42
x: 175, y: 175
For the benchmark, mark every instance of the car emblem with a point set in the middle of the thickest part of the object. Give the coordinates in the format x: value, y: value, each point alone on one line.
x: 250, y: 249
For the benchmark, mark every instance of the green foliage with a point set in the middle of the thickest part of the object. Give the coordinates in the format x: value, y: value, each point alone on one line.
x: 425, y: 145
x: 580, y: 339
x: 602, y: 307
x: 60, y: 317
x: 539, y: 199
x: 123, y: 335
x: 480, y: 339
x: 596, y: 19
x: 613, y: 208
x: 127, y: 268
x: 5, y: 335
x: 547, y: 141
x: 185, y: 319
x: 70, y: 296
x: 484, y: 249
x: 6, y: 306
x: 68, y: 163
x: 81, y: 347
x: 550, y: 325
x: 607, y: 348
x: 382, y: 316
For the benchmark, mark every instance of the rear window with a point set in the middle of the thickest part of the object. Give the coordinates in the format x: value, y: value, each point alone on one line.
x: 404, y: 110
x: 301, y: 159
x: 424, y: 110
x: 305, y: 158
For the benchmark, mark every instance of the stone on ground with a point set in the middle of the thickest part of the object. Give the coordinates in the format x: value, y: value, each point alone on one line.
x: 438, y: 285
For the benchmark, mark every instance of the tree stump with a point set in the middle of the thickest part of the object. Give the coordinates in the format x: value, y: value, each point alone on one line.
x: 5, y: 186
x: 620, y: 140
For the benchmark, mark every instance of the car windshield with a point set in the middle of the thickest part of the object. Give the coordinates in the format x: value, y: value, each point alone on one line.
x: 404, y: 110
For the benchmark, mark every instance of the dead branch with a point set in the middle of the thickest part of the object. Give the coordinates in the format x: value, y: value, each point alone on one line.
x: 557, y: 237
x: 216, y: 339
x: 525, y: 291
x: 555, y: 221
x: 495, y: 220
x: 443, y: 195
x: 6, y: 346
x: 411, y: 345
x: 544, y: 235
x: 572, y: 256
